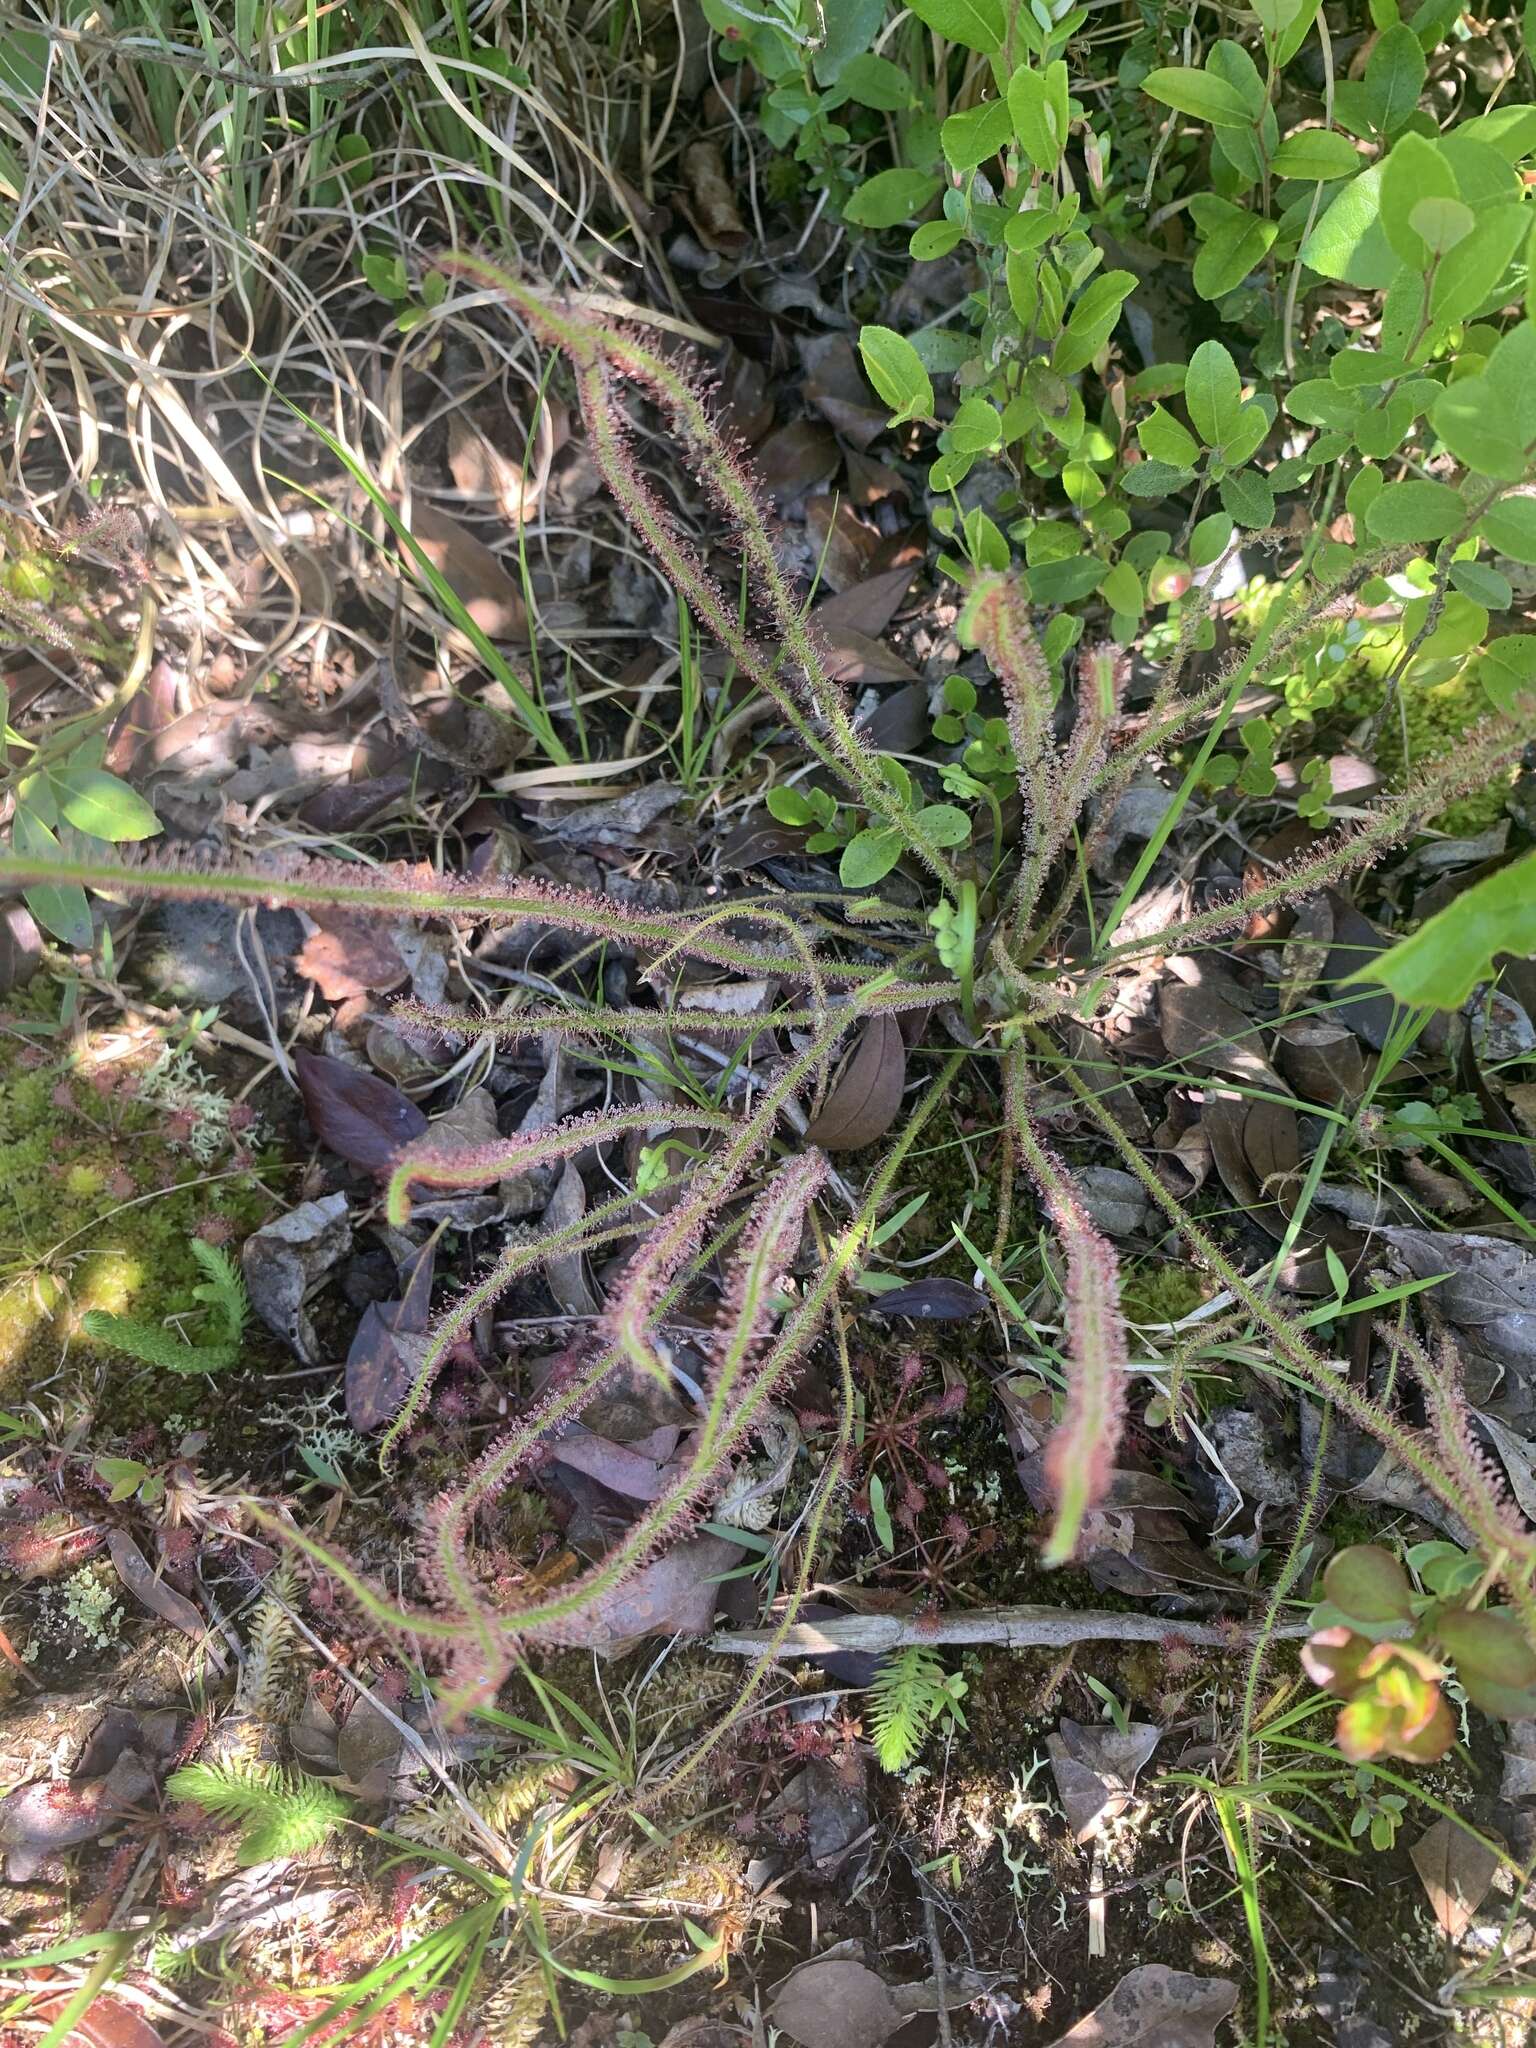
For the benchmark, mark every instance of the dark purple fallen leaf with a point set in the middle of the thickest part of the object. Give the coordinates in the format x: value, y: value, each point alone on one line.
x: 795, y: 459
x: 742, y: 404
x: 1509, y: 1157
x: 387, y: 1347
x: 37, y: 1821
x: 856, y: 658
x: 676, y: 1594
x: 844, y: 545
x: 899, y: 723
x: 863, y: 1101
x: 867, y: 608
x: 835, y: 385
x: 349, y: 805
x: 21, y: 947
x: 759, y: 837
x: 138, y: 1575
x: 869, y: 481
x: 931, y: 1301
x: 1321, y: 1060
x: 622, y: 1468
x: 1369, y: 1012
x: 1204, y: 1028
x: 364, y: 1120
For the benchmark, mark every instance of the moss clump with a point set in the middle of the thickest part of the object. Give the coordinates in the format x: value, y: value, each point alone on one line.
x: 112, y: 1158
x: 1162, y: 1293
x: 1433, y: 716
x: 1439, y: 697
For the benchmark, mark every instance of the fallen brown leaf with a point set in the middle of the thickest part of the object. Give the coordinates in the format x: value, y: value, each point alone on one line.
x: 836, y: 2002
x: 482, y: 585
x: 1204, y: 1028
x: 863, y: 1101
x: 796, y: 459
x: 388, y: 1346
x: 742, y: 403
x: 844, y: 545
x: 1456, y: 1870
x: 1155, y: 2007
x: 151, y: 1591
x: 347, y: 955
x: 868, y: 608
x: 711, y: 204
x: 1096, y: 1769
x: 37, y: 1821
x: 835, y: 385
x: 108, y: 2024
x: 676, y: 1594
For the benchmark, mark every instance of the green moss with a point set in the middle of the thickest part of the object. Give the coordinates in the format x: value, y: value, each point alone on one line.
x: 1432, y: 718
x: 1153, y: 1293
x: 1439, y: 697
x: 111, y: 1159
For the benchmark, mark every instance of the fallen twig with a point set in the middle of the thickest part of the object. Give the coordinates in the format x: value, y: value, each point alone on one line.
x: 1014, y: 1628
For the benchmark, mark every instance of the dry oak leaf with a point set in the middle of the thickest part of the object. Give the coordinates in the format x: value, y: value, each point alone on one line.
x: 347, y: 955
x: 1155, y: 2007
x: 863, y: 1101
x: 478, y: 578
x: 1456, y: 1870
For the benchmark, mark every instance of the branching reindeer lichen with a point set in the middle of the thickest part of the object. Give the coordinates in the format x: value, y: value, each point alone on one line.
x: 985, y: 957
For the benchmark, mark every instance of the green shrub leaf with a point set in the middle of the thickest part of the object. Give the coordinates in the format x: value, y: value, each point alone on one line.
x: 876, y: 82
x: 1415, y: 511
x: 1348, y: 243
x: 1213, y: 391
x: 1165, y: 440
x: 968, y: 139
x: 978, y: 24
x: 895, y: 369
x: 1507, y: 669
x: 1466, y: 416
x: 1248, y: 497
x: 1238, y: 246
x: 1510, y: 528
x: 1394, y: 77
x: 890, y: 197
x: 1438, y: 967
x: 93, y: 801
x: 1418, y: 188
x: 1037, y: 101
x: 1200, y: 94
x: 1316, y: 153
